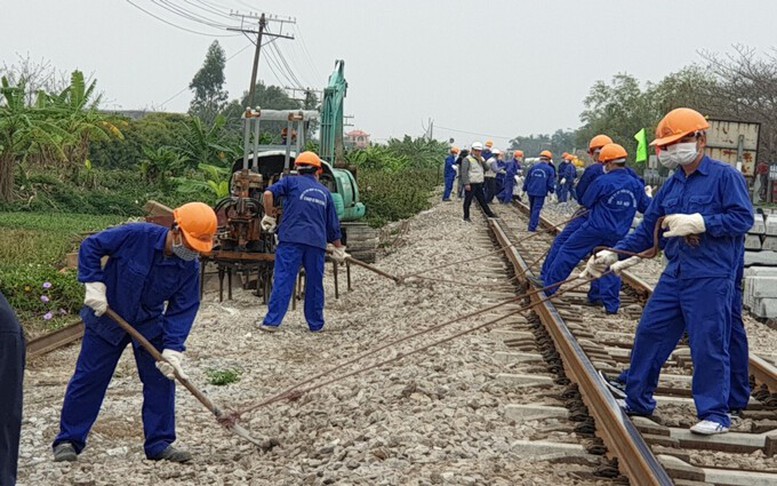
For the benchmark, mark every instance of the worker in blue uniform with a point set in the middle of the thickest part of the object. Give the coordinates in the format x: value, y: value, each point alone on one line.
x: 540, y: 181
x: 501, y: 171
x: 152, y: 280
x: 309, y: 222
x: 12, y: 355
x: 450, y: 173
x: 512, y: 169
x: 566, y: 178
x: 612, y: 201
x: 487, y: 153
x: 589, y: 175
x: 739, y: 393
x: 709, y: 199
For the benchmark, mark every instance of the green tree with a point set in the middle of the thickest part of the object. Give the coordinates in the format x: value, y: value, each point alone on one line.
x: 208, y: 84
x: 207, y: 144
x: 267, y: 98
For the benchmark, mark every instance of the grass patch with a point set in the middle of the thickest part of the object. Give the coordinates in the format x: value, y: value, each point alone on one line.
x: 223, y: 377
x: 32, y: 255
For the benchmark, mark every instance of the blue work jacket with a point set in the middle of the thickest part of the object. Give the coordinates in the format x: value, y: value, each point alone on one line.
x: 139, y: 279
x: 567, y: 171
x: 512, y: 168
x: 719, y: 193
x: 589, y: 175
x: 612, y: 200
x: 450, y: 162
x: 540, y: 180
x: 309, y: 213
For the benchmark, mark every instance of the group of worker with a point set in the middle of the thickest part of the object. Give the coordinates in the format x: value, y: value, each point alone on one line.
x: 152, y: 280
x: 705, y: 211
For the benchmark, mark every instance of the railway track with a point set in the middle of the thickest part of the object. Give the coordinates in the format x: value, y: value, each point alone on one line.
x: 660, y: 450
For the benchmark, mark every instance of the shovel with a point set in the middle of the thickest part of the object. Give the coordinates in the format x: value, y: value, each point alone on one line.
x: 223, y: 419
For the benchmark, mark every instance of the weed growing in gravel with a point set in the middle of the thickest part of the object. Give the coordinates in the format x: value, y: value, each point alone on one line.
x: 223, y: 377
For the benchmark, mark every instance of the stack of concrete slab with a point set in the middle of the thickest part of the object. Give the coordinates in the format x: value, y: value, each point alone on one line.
x: 760, y: 279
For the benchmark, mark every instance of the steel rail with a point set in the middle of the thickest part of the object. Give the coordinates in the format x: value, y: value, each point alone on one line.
x: 635, y: 458
x: 764, y: 372
x: 54, y: 340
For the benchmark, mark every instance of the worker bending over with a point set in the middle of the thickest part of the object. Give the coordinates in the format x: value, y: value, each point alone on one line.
x: 309, y: 222
x: 612, y: 201
x: 152, y: 279
x: 707, y: 198
x: 539, y: 182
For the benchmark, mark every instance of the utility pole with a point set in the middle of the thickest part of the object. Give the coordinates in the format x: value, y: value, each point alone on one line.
x: 260, y: 33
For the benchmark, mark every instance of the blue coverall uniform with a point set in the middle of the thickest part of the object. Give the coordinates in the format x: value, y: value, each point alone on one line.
x: 12, y: 355
x: 450, y: 176
x: 567, y: 172
x: 540, y: 181
x: 140, y: 279
x: 739, y: 395
x: 500, y: 177
x: 590, y: 174
x: 612, y: 200
x: 694, y: 291
x: 512, y: 168
x: 309, y: 222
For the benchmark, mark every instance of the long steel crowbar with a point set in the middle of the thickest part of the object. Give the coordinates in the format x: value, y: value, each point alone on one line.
x: 227, y: 421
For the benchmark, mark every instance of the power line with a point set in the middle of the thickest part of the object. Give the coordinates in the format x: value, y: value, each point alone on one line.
x: 182, y: 12
x: 305, y: 50
x: 168, y: 100
x: 209, y: 8
x: 175, y: 25
x: 296, y: 82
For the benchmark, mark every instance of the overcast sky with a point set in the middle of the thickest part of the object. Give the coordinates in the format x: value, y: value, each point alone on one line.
x: 498, y: 68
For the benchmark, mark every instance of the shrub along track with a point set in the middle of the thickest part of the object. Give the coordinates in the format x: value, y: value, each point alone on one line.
x: 587, y: 340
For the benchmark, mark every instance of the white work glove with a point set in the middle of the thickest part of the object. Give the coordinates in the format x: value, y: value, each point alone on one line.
x: 599, y: 263
x: 456, y: 168
x: 95, y: 298
x: 171, y: 365
x: 622, y: 265
x: 561, y: 182
x: 683, y: 225
x: 517, y: 179
x: 339, y: 255
x: 554, y: 198
x: 649, y: 191
x: 268, y: 223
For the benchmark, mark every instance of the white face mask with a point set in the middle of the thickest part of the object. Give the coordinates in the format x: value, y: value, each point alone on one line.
x: 666, y: 160
x: 183, y: 252
x: 683, y: 153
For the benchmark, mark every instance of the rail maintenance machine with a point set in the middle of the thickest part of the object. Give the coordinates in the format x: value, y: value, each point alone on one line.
x: 242, y: 246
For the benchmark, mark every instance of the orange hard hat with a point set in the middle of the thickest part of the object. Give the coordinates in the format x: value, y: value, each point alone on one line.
x: 197, y: 222
x: 518, y: 153
x: 611, y: 152
x: 489, y: 143
x: 308, y: 158
x: 678, y: 124
x: 455, y: 150
x: 546, y: 153
x: 598, y: 142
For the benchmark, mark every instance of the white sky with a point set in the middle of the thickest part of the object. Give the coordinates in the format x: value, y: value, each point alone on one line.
x: 501, y: 68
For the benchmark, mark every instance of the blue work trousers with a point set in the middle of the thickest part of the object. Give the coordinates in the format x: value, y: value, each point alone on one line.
x: 559, y: 241
x: 289, y: 257
x: 703, y: 307
x: 535, y: 206
x: 86, y: 390
x: 12, y: 355
x: 562, y: 193
x: 506, y: 196
x: 489, y: 189
x: 578, y: 246
x: 446, y: 195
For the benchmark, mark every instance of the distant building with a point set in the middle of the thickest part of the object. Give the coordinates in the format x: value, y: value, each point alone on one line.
x: 357, y: 139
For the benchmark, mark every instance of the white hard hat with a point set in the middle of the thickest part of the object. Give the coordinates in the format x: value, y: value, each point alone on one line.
x: 496, y: 152
x: 477, y: 146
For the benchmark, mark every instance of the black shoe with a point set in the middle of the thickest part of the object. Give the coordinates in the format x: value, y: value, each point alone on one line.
x: 536, y: 281
x: 173, y: 455
x: 65, y: 452
x: 617, y: 388
x: 467, y: 220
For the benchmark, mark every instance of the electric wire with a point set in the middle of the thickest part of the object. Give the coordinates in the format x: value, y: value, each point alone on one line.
x: 171, y: 24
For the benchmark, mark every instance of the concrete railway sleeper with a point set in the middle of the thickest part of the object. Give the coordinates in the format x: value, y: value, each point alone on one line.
x: 746, y: 455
